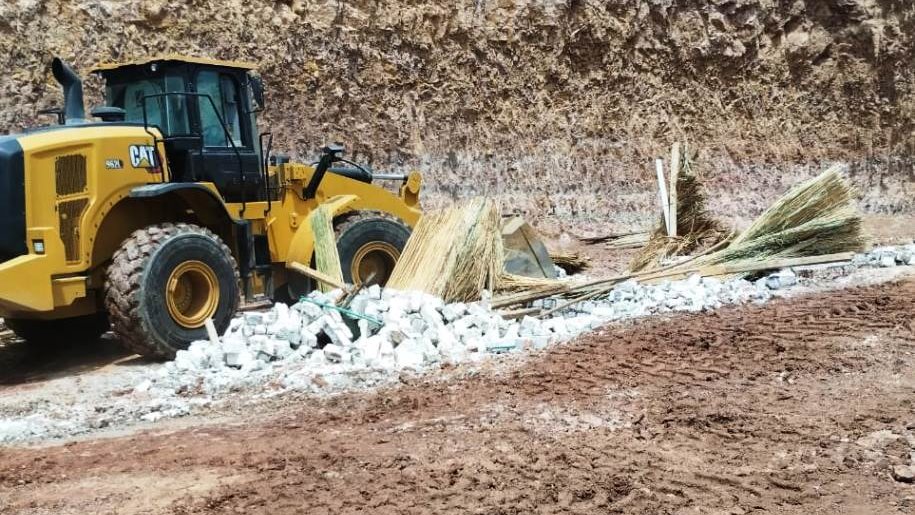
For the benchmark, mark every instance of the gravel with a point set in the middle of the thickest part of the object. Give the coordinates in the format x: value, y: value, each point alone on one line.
x: 316, y: 348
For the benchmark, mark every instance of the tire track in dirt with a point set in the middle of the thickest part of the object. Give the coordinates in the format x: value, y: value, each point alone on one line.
x: 732, y: 411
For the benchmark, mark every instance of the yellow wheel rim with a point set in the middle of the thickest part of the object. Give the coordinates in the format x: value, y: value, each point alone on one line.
x: 376, y: 258
x: 192, y: 294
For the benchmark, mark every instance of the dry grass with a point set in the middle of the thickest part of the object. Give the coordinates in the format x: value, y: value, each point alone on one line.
x: 454, y: 253
x: 327, y: 259
x: 696, y: 228
x: 814, y: 218
x: 572, y: 263
x: 510, y: 283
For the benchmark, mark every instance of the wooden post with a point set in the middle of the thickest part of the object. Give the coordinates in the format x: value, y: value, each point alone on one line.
x: 662, y: 193
x: 753, y: 266
x: 314, y: 274
x: 674, y: 176
x: 211, y: 331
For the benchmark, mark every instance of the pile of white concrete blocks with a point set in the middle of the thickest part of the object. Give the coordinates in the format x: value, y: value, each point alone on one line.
x: 393, y: 330
x: 396, y: 330
x: 885, y: 257
x: 632, y: 299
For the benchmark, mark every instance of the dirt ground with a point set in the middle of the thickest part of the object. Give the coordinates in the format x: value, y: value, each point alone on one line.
x: 755, y: 409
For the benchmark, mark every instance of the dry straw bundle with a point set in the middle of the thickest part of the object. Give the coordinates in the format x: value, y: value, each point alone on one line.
x: 629, y: 241
x: 327, y: 259
x: 814, y: 218
x: 696, y: 229
x: 454, y: 253
x: 572, y: 263
x: 516, y: 283
x: 815, y: 222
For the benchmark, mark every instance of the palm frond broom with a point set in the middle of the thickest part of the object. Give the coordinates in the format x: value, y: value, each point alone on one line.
x: 454, y: 253
x: 327, y: 259
x: 696, y: 228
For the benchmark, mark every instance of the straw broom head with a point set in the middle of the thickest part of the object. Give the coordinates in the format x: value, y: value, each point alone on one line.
x: 454, y: 253
x: 327, y: 259
x: 696, y: 229
x: 814, y: 218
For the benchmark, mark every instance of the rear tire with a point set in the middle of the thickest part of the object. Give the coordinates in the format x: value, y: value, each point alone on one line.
x: 164, y: 282
x: 83, y: 329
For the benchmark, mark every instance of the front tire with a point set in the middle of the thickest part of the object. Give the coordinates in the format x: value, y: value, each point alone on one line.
x: 370, y: 244
x: 163, y: 284
x: 367, y: 241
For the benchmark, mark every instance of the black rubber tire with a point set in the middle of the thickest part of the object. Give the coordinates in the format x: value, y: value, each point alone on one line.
x: 83, y: 329
x: 354, y: 230
x: 136, y: 283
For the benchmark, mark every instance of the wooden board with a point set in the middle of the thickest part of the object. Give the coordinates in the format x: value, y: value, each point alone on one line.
x: 674, y: 176
x: 314, y: 274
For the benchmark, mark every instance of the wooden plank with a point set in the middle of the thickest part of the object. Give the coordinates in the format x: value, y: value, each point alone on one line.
x: 314, y: 274
x: 627, y: 246
x: 612, y: 237
x: 662, y: 193
x: 674, y: 176
x: 770, y: 264
x: 211, y: 331
x: 786, y: 263
x: 347, y: 297
x: 520, y: 313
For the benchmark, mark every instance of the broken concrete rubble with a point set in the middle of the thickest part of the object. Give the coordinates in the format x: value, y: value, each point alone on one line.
x: 781, y: 279
x: 417, y: 332
x: 309, y: 347
x: 214, y: 375
x: 885, y: 257
x: 904, y: 473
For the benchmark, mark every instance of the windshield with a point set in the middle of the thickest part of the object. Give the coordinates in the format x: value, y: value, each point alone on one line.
x: 169, y: 113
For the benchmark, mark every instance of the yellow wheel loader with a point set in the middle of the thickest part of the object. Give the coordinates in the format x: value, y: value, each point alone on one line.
x: 165, y: 207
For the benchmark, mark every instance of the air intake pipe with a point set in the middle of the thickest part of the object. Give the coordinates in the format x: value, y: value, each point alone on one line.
x: 74, y: 111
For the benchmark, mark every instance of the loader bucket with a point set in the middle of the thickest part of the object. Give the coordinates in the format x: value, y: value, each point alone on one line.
x: 525, y: 253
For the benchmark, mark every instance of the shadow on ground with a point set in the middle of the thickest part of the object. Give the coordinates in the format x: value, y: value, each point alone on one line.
x: 22, y: 362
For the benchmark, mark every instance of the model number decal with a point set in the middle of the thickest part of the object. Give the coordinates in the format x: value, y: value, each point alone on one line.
x: 114, y: 164
x: 143, y: 156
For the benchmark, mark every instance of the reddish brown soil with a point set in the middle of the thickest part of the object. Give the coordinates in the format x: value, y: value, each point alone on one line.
x: 755, y: 409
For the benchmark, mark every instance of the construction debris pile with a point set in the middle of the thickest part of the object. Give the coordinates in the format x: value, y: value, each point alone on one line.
x: 285, y: 360
x: 408, y: 330
x: 452, y: 300
x: 314, y: 346
x: 439, y: 307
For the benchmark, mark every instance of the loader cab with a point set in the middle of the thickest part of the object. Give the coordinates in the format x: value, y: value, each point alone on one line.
x: 205, y: 110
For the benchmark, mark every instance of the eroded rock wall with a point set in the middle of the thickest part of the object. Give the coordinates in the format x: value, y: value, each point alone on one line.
x: 556, y: 106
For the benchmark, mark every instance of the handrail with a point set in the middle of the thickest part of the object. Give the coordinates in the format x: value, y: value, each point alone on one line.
x: 265, y: 165
x: 222, y: 123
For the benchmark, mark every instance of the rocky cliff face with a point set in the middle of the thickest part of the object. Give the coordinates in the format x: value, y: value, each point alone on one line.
x: 556, y: 106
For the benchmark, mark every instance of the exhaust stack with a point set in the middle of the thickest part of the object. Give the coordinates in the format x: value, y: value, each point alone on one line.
x: 74, y: 111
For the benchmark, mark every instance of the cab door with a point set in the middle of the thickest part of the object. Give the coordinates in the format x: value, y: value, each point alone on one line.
x: 230, y: 157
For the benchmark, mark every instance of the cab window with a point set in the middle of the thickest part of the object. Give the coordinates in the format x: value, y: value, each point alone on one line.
x: 224, y: 92
x: 168, y: 113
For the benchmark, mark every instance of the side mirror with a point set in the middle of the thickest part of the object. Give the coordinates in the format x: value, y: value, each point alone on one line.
x: 257, y: 90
